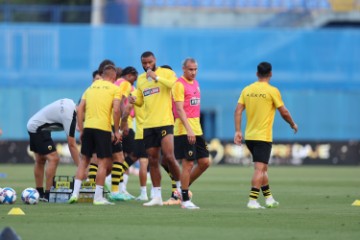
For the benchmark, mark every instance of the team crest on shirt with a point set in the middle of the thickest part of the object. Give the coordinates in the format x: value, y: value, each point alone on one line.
x: 150, y: 91
x: 194, y: 101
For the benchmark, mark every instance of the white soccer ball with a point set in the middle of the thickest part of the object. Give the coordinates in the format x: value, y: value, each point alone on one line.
x: 30, y: 196
x: 7, y: 195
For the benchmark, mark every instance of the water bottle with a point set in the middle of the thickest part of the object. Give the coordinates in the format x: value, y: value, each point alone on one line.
x: 149, y: 78
x: 52, y: 195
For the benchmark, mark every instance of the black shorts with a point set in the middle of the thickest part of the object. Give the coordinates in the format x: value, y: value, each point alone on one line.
x: 139, y: 150
x: 41, y: 142
x: 153, y: 136
x: 128, y: 142
x: 116, y: 148
x: 190, y: 152
x: 260, y: 150
x: 96, y: 141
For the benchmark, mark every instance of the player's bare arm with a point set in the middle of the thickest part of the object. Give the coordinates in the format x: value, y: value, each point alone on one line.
x: 81, y: 116
x: 285, y: 114
x: 237, y: 118
x: 180, y: 110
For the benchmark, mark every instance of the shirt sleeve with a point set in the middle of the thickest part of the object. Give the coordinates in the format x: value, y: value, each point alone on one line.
x: 241, y: 98
x: 125, y: 88
x: 169, y: 79
x: 83, y: 96
x: 178, y: 92
x: 117, y: 93
x: 139, y: 97
x: 278, y: 102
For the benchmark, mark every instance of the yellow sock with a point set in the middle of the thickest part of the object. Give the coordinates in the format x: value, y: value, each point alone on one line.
x: 115, y: 176
x: 92, y: 171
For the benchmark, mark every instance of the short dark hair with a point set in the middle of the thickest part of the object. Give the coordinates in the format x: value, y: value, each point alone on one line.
x: 129, y: 70
x: 107, y: 71
x: 264, y: 69
x: 188, y: 60
x: 166, y: 66
x: 96, y: 72
x: 103, y: 64
x: 118, y: 72
x: 109, y: 66
x: 147, y: 54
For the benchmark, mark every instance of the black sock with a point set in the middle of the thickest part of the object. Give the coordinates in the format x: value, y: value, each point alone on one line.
x: 41, y: 191
x: 46, y: 194
x: 185, y: 195
x: 254, y: 193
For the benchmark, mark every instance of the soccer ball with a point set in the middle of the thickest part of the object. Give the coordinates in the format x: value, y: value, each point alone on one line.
x: 7, y: 196
x: 30, y: 196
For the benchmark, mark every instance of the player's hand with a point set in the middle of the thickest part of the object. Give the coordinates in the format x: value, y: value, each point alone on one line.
x: 238, y: 138
x: 131, y: 99
x: 124, y: 128
x: 295, y: 127
x: 117, y: 138
x: 150, y: 73
x: 191, y: 137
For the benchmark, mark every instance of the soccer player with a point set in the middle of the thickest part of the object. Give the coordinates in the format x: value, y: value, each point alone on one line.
x: 57, y: 116
x: 95, y: 132
x: 154, y: 91
x: 125, y: 83
x: 260, y: 100
x: 189, y: 143
x: 96, y: 76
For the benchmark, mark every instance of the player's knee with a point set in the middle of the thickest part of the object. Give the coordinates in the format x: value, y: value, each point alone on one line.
x: 168, y: 158
x: 203, y: 165
x: 53, y: 157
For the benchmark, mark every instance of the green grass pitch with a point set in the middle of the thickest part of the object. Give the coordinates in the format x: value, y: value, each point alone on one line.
x: 315, y: 203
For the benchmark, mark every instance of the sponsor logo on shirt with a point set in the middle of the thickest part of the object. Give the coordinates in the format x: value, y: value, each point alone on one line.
x: 194, y: 101
x: 150, y: 91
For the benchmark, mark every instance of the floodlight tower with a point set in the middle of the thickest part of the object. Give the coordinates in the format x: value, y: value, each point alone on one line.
x: 97, y: 12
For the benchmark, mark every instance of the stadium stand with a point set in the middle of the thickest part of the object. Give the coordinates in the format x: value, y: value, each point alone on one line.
x: 247, y: 13
x: 315, y: 67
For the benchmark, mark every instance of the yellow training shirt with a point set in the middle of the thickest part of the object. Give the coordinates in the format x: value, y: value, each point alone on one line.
x: 99, y: 99
x: 178, y: 93
x: 260, y: 100
x: 125, y: 89
x: 156, y: 98
x: 139, y: 122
